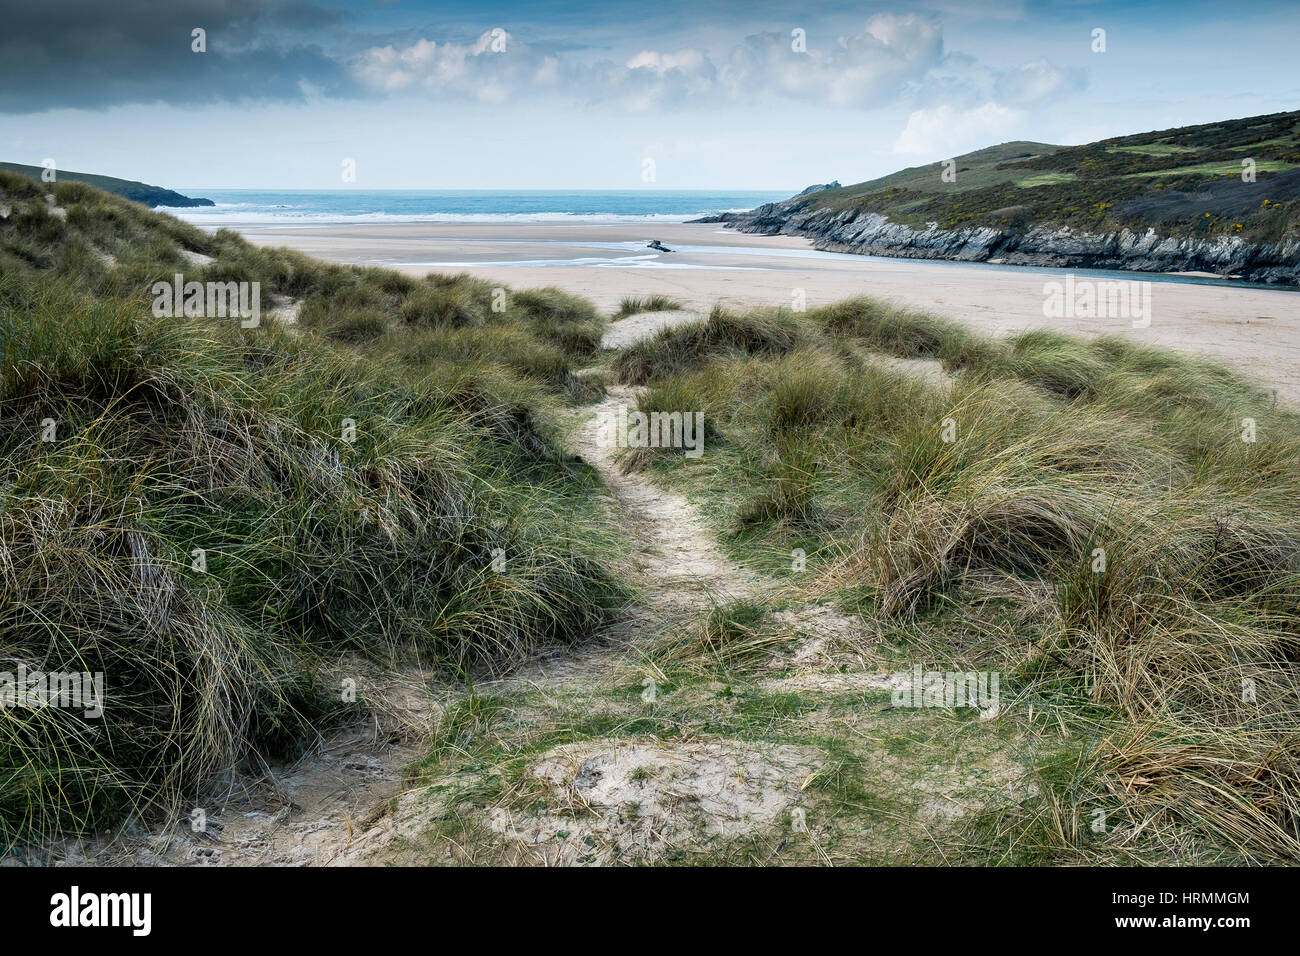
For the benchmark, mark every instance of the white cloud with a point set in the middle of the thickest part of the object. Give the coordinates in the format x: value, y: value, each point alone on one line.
x: 493, y: 68
x: 893, y: 56
x: 947, y: 131
x: 1038, y: 82
x: 692, y: 62
x: 651, y: 78
x: 853, y: 71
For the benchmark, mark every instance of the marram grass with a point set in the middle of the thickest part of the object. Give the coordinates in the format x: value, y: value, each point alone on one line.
x: 1092, y: 518
x: 213, y: 517
x: 1081, y: 515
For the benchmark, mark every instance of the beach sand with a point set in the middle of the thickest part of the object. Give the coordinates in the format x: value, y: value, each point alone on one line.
x: 1256, y: 331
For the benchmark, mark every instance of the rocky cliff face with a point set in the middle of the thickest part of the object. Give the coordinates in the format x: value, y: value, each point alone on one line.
x: 869, y: 233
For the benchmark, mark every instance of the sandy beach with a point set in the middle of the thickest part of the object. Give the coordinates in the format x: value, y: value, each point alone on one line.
x: 1255, y: 330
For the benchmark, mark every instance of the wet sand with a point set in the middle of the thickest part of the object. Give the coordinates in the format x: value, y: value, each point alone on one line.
x: 1256, y: 331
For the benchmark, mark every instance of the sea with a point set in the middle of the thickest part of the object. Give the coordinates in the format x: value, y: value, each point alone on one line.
x: 242, y: 208
x: 288, y: 206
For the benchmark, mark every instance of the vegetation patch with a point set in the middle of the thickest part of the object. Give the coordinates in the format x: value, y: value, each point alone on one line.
x: 1099, y: 522
x: 212, y: 516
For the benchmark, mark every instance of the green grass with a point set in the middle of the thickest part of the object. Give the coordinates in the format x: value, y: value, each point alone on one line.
x: 1231, y: 168
x: 982, y: 549
x: 729, y: 640
x: 1154, y: 149
x: 980, y: 169
x: 634, y: 304
x: 1045, y: 179
x: 379, y: 481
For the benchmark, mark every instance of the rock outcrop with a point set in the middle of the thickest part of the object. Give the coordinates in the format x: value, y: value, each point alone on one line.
x: 870, y: 233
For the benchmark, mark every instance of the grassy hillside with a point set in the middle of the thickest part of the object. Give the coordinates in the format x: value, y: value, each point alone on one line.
x: 448, y: 528
x: 984, y: 167
x: 126, y: 188
x: 1187, y: 180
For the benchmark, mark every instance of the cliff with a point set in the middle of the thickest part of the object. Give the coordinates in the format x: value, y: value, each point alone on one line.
x: 870, y: 233
x: 1222, y: 198
x: 127, y: 188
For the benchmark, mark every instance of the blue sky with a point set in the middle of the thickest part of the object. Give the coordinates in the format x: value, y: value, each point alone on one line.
x: 717, y: 95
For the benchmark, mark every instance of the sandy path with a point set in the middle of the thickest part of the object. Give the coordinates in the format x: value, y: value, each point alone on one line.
x: 679, y: 566
x: 677, y: 563
x: 684, y: 559
x: 1256, y: 331
x: 329, y: 808
x: 636, y: 327
x: 311, y: 812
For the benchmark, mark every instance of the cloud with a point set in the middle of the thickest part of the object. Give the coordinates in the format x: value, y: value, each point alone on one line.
x: 963, y: 82
x: 95, y: 54
x: 508, y: 68
x: 494, y: 67
x: 1038, y: 82
x: 132, y: 51
x: 859, y: 70
x: 497, y: 66
x: 944, y: 130
x: 652, y: 79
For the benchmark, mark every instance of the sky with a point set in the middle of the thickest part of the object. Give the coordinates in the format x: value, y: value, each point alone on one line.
x: 651, y: 94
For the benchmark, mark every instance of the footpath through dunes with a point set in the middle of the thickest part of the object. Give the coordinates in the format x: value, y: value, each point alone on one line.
x: 721, y: 720
x: 945, y: 488
x: 728, y: 715
x: 679, y: 567
x: 683, y: 561
x: 349, y: 801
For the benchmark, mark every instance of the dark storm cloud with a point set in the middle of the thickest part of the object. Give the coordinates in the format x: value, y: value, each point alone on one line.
x: 93, y: 53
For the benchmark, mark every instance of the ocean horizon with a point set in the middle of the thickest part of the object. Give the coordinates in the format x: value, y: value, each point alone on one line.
x: 466, y: 205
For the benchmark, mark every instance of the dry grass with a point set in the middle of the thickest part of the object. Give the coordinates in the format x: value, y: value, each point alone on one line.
x: 969, y: 522
x: 349, y: 492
